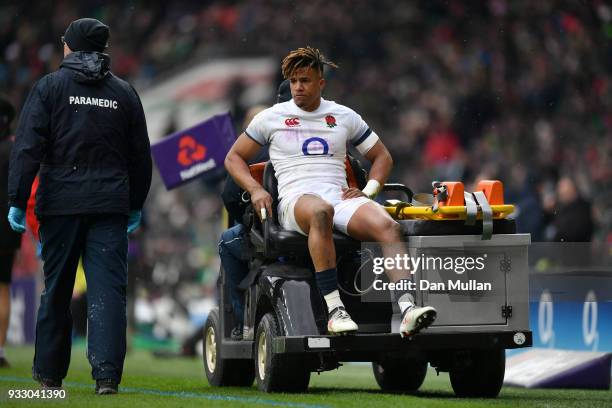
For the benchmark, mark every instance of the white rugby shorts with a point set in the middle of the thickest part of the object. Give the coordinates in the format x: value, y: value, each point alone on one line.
x: 343, y: 211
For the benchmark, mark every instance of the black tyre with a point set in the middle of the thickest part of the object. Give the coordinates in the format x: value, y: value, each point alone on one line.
x: 482, y: 375
x: 221, y: 371
x: 400, y: 375
x: 277, y: 372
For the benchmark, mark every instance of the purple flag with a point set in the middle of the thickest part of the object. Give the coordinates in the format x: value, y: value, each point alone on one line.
x: 191, y: 153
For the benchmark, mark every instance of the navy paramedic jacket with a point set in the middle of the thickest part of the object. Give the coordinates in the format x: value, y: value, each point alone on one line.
x: 85, y: 129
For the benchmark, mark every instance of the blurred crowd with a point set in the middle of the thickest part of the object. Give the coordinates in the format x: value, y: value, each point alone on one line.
x: 517, y: 90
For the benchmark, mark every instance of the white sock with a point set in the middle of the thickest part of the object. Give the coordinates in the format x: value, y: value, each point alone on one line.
x: 1, y: 352
x: 333, y: 300
x: 405, y: 302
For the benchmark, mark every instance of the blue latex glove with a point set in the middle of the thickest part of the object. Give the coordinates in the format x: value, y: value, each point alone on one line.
x: 134, y: 219
x: 16, y: 217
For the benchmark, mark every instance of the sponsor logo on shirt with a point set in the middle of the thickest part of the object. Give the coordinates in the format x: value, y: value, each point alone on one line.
x: 292, y: 122
x: 315, y: 146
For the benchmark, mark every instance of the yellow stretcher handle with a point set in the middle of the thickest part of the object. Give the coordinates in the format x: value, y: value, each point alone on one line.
x: 458, y: 212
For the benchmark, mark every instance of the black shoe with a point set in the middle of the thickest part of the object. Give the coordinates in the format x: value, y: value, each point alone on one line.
x: 4, y: 363
x: 106, y: 386
x: 46, y: 383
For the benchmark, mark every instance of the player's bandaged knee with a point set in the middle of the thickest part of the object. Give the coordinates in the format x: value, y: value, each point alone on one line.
x: 372, y: 188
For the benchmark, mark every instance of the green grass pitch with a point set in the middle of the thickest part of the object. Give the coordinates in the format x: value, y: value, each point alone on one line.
x: 150, y: 382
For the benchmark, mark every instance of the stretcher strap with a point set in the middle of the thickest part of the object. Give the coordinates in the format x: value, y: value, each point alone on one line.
x: 487, y: 215
x: 471, y: 209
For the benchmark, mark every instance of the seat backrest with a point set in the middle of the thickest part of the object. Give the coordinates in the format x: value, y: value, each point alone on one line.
x: 270, y: 183
x: 257, y: 170
x: 356, y: 176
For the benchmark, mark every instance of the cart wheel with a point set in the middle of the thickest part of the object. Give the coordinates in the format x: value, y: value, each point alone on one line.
x: 483, y: 375
x: 400, y: 374
x: 221, y: 371
x: 277, y: 372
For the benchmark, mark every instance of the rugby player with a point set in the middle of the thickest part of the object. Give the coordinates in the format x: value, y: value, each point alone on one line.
x: 308, y: 138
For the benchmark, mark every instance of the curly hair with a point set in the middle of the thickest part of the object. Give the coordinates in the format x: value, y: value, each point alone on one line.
x: 302, y: 58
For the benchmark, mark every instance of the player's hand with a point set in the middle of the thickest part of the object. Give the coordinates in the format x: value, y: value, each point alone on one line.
x: 261, y: 199
x: 352, y: 192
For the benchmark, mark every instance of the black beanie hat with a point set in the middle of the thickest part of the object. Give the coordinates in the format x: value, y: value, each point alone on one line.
x: 86, y: 34
x: 284, y: 92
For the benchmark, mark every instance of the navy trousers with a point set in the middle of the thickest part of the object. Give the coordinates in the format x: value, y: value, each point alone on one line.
x: 232, y: 254
x: 102, y: 241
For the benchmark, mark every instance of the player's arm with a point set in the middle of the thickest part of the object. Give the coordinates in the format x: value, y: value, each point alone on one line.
x: 243, y: 150
x: 382, y: 163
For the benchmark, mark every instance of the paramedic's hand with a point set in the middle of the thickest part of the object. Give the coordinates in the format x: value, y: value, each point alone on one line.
x: 134, y: 219
x: 352, y: 192
x: 261, y: 199
x: 16, y: 217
